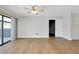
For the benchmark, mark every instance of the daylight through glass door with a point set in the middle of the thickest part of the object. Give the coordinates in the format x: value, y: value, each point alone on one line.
x: 5, y: 29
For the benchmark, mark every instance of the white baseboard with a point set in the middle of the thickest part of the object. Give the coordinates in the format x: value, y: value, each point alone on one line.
x: 33, y: 37
x: 77, y: 38
x: 67, y: 38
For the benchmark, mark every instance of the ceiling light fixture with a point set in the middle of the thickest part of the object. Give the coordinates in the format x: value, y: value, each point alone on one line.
x: 35, y: 9
x: 34, y: 12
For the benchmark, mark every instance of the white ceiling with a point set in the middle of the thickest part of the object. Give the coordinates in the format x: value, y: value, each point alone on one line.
x: 50, y: 10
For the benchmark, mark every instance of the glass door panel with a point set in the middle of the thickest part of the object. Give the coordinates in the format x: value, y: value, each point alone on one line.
x: 6, y: 29
x: 0, y: 30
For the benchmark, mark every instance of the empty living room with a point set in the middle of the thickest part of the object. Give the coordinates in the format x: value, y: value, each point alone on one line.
x: 39, y: 29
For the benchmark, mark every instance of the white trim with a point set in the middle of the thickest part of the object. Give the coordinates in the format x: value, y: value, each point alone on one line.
x: 67, y: 38
x: 33, y: 37
x: 75, y: 39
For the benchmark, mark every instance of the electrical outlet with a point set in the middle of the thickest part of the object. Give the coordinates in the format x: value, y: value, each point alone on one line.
x: 37, y: 33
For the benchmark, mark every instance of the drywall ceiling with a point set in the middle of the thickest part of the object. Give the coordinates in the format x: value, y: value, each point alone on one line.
x: 50, y: 10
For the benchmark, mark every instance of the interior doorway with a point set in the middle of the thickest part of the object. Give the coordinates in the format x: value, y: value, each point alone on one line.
x: 51, y: 28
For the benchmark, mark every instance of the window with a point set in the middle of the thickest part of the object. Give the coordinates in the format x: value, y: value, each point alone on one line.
x: 0, y: 29
x: 5, y: 29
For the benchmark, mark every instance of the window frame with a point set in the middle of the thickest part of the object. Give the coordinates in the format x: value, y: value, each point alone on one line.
x: 2, y: 39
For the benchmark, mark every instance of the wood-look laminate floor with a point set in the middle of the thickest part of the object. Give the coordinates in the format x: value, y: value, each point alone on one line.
x: 41, y: 46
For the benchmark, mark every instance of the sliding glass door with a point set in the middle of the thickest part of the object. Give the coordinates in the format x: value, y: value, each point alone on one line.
x: 6, y: 29
x: 0, y: 29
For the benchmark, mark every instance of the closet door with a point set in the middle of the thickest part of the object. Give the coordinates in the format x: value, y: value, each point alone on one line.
x: 6, y: 29
x: 0, y: 30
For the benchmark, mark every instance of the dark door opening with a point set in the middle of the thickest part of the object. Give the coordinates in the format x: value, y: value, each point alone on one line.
x: 51, y: 28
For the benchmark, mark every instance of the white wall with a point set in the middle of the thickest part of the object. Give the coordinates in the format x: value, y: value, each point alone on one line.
x: 67, y: 25
x: 75, y: 26
x: 59, y: 28
x: 29, y: 26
